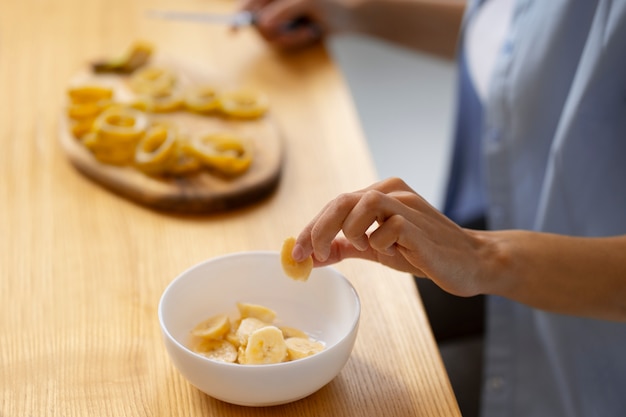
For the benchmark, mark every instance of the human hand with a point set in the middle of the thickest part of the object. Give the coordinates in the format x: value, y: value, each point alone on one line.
x: 288, y: 24
x: 408, y: 235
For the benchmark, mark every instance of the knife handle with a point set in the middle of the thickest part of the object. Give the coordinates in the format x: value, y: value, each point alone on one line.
x: 297, y: 23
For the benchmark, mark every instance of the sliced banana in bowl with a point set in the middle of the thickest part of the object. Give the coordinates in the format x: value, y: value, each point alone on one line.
x: 255, y: 339
x: 256, y: 361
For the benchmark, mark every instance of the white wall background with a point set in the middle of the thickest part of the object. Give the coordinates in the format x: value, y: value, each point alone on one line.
x: 405, y: 103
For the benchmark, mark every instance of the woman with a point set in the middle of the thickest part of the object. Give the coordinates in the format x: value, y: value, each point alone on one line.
x: 540, y: 140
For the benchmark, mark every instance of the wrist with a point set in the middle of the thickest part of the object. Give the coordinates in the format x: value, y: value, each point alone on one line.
x: 340, y: 16
x: 495, y: 262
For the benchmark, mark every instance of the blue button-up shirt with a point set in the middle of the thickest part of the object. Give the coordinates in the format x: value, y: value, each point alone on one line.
x: 553, y: 158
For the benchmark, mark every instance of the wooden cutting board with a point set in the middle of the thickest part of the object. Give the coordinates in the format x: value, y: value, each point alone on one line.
x: 203, y: 192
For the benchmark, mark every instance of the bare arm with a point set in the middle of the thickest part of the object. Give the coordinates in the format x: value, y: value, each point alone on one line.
x: 429, y: 26
x: 391, y: 224
x: 426, y: 25
x: 565, y: 274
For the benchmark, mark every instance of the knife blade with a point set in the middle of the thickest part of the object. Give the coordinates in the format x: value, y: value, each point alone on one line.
x: 237, y: 19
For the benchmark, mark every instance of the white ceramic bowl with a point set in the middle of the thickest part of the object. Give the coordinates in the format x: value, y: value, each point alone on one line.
x: 326, y: 306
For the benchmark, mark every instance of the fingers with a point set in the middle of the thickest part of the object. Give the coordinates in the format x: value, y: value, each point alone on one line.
x: 275, y: 15
x: 400, y: 232
x: 317, y: 236
x: 389, y: 223
x: 253, y: 5
x: 287, y: 24
x: 389, y: 185
x: 385, y: 237
x: 340, y: 249
x: 294, y: 39
x: 354, y: 214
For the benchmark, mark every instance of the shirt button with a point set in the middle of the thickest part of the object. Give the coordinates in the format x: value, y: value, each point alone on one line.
x: 494, y: 134
x: 507, y: 47
x: 497, y: 210
x: 495, y: 383
x: 496, y: 216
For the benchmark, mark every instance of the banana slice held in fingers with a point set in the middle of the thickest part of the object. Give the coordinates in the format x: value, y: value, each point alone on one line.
x: 299, y: 271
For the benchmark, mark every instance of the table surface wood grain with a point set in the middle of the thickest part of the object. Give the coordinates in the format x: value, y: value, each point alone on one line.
x: 82, y: 269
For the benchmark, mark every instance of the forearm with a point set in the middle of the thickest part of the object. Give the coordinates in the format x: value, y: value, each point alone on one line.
x: 430, y: 26
x: 570, y: 275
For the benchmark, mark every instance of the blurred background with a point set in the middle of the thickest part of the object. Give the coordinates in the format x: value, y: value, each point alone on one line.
x: 405, y: 103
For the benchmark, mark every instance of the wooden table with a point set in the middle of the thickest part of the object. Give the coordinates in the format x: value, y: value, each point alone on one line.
x: 82, y: 270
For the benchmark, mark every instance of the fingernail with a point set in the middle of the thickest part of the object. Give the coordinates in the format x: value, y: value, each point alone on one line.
x: 323, y: 256
x: 391, y: 250
x: 361, y: 245
x: 298, y: 253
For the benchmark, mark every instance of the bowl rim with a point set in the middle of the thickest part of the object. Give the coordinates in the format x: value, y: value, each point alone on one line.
x: 355, y: 320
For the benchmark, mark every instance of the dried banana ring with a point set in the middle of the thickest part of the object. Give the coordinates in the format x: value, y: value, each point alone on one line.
x: 202, y: 99
x: 152, y: 80
x: 115, y: 134
x: 89, y: 93
x: 223, y: 152
x: 88, y: 101
x: 244, y: 104
x: 87, y: 110
x: 155, y: 149
x: 182, y: 162
x: 81, y: 127
x: 112, y: 154
x: 121, y: 124
x: 164, y: 102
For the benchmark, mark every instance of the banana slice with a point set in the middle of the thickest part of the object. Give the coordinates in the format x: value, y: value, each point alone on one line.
x: 299, y: 347
x: 182, y: 163
x: 202, y: 99
x: 80, y: 128
x: 292, y: 332
x: 248, y: 340
x: 152, y: 80
x: 265, y: 346
x: 244, y: 104
x: 218, y: 350
x: 87, y: 110
x: 241, y: 355
x: 107, y: 153
x: 89, y: 93
x: 156, y: 149
x: 248, y: 326
x: 226, y: 153
x: 121, y: 125
x: 299, y: 271
x: 86, y: 103
x: 232, y: 337
x: 213, y: 328
x: 257, y: 311
x: 161, y: 102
